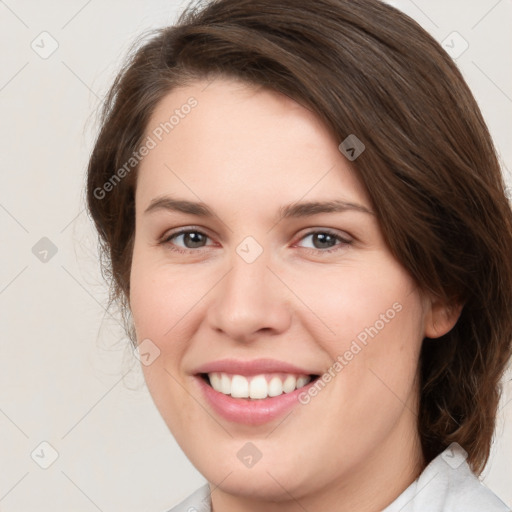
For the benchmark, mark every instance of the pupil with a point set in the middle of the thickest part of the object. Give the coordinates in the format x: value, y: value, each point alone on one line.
x: 193, y: 239
x: 323, y: 238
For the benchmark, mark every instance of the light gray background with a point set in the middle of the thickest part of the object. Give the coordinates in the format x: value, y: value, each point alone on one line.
x: 66, y: 377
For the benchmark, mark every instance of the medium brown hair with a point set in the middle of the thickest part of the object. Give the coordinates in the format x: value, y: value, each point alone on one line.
x: 429, y: 166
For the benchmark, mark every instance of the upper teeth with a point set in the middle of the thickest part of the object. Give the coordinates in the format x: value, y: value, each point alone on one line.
x: 256, y: 386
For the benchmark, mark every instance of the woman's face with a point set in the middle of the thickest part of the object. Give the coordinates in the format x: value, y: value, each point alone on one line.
x: 283, y: 274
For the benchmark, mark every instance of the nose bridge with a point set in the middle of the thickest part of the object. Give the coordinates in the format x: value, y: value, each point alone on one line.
x: 249, y: 298
x: 249, y: 262
x: 248, y: 281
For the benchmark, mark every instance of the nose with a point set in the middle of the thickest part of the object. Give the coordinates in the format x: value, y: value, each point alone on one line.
x: 249, y: 301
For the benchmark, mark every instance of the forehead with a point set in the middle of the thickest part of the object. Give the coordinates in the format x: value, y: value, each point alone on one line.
x: 228, y: 139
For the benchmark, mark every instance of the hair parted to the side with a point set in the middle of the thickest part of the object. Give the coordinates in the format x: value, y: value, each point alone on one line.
x: 429, y: 166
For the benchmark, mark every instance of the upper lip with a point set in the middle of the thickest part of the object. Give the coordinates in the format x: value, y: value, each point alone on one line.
x: 251, y: 367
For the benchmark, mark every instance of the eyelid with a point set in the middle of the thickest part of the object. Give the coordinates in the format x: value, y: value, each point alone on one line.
x: 183, y: 230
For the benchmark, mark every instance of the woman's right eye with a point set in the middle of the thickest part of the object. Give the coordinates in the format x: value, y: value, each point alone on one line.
x: 188, y: 239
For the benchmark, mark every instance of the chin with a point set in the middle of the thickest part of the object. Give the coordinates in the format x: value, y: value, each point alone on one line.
x: 257, y: 485
x: 272, y: 478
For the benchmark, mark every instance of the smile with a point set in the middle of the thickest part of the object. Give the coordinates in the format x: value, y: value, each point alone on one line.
x: 256, y: 387
x: 252, y: 392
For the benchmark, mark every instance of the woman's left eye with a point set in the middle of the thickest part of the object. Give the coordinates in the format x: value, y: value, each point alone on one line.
x: 325, y: 241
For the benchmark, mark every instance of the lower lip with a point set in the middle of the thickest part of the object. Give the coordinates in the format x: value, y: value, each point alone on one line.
x: 248, y: 411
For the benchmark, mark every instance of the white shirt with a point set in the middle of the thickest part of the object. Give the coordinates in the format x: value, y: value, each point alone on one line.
x: 446, y: 485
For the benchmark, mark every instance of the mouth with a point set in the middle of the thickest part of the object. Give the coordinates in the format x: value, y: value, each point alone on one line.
x: 256, y: 387
x: 252, y: 392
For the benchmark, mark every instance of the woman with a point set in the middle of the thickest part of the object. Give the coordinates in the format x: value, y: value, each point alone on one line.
x: 303, y: 214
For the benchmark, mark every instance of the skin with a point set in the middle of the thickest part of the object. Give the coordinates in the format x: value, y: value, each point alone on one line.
x: 245, y: 152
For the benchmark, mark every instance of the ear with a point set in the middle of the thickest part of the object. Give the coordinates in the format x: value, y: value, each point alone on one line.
x: 440, y: 317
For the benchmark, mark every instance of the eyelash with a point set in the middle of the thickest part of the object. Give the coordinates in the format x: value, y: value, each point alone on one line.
x: 343, y: 242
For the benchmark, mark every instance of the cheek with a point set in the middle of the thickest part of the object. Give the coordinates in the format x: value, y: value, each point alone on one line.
x: 370, y: 323
x: 161, y: 306
x: 377, y: 319
x: 161, y: 298
x: 356, y: 301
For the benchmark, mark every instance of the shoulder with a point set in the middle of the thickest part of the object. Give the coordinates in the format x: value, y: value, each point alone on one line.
x: 198, y: 501
x: 465, y: 492
x: 448, y: 485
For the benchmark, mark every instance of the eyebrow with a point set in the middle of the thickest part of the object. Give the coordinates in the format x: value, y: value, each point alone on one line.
x: 307, y: 209
x: 294, y: 210
x: 179, y: 205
